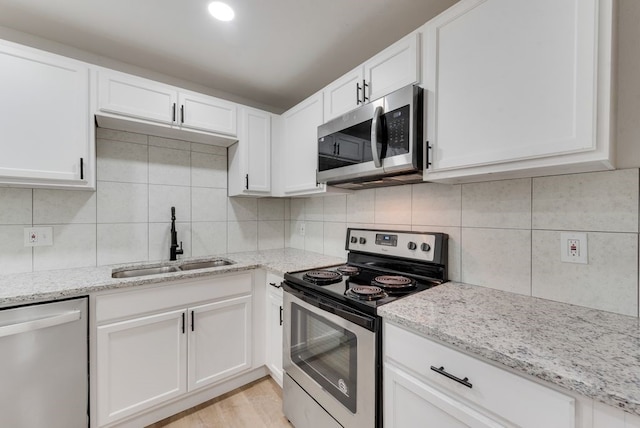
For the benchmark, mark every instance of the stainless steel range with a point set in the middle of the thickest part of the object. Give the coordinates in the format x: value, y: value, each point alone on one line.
x: 332, y: 333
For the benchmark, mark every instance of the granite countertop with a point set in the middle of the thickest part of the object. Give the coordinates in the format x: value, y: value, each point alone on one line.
x: 16, y: 289
x: 588, y: 351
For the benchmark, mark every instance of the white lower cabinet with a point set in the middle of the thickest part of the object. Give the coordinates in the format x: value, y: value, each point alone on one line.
x: 160, y: 343
x: 482, y: 396
x: 274, y: 327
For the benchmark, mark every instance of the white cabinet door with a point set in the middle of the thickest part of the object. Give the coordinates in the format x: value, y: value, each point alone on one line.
x: 410, y: 403
x: 274, y: 328
x: 206, y: 113
x: 344, y: 94
x: 141, y: 363
x: 393, y: 68
x: 250, y: 157
x: 219, y: 340
x: 47, y: 138
x: 300, y: 147
x: 136, y: 97
x: 515, y: 85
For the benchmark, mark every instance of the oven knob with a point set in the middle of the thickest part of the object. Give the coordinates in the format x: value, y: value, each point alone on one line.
x: 425, y: 246
x: 363, y: 241
x: 412, y: 246
x: 354, y: 239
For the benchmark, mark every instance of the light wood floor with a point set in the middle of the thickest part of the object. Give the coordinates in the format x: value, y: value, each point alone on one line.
x: 256, y: 405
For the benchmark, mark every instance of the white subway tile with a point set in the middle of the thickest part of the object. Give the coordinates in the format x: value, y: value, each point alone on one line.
x: 608, y: 282
x: 208, y: 204
x: 169, y: 166
x: 436, y: 204
x: 335, y: 208
x: 74, y: 245
x: 314, y: 236
x: 123, y: 243
x: 162, y: 198
x: 270, y: 234
x: 63, y: 206
x: 208, y: 238
x: 502, y: 204
x: 14, y: 256
x: 122, y: 202
x: 208, y: 170
x: 271, y: 209
x: 334, y: 239
x: 124, y: 162
x: 314, y: 209
x: 296, y: 240
x: 242, y: 236
x: 297, y: 209
x: 242, y: 209
x: 497, y: 258
x: 16, y: 206
x: 393, y: 205
x: 598, y: 201
x: 361, y: 206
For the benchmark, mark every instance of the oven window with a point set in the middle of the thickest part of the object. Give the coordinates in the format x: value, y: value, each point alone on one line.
x: 326, y: 352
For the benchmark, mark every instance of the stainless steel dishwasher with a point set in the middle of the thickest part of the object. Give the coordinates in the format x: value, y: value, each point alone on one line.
x: 44, y: 365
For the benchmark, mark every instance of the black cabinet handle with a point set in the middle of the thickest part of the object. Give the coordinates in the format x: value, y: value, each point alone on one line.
x: 173, y: 113
x: 280, y: 315
x: 183, y: 323
x: 273, y: 284
x: 441, y: 371
x: 182, y: 114
x: 81, y: 169
x: 358, y: 94
x: 246, y: 181
x: 428, y: 162
x: 193, y: 321
x: 337, y: 149
x: 364, y: 91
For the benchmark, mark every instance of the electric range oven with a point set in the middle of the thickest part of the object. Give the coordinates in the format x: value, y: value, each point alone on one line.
x: 332, y: 333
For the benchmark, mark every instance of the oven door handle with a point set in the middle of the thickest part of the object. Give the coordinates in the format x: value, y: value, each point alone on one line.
x: 365, y: 322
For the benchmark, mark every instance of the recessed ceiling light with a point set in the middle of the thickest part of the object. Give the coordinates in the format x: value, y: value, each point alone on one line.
x: 221, y: 11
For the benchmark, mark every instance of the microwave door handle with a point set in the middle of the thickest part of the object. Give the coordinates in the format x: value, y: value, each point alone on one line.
x: 377, y: 113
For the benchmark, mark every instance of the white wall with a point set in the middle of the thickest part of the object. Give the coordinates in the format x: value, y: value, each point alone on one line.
x: 504, y: 234
x: 128, y: 218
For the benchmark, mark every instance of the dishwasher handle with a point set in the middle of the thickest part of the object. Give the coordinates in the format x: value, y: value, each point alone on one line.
x: 37, y: 324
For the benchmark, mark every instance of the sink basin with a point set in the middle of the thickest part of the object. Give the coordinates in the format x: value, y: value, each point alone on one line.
x: 130, y: 273
x: 134, y: 272
x: 206, y: 264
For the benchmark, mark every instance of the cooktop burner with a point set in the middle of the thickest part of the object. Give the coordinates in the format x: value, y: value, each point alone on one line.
x: 394, y: 282
x: 366, y: 292
x: 348, y: 270
x: 322, y: 277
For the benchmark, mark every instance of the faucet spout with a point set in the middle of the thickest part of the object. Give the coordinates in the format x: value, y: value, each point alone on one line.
x: 173, y: 249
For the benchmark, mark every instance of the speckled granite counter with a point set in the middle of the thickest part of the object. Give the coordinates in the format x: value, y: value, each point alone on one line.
x: 56, y: 284
x: 591, y: 352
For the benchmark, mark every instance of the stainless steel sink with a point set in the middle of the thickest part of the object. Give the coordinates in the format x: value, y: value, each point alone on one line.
x: 130, y: 273
x: 144, y: 271
x: 205, y: 264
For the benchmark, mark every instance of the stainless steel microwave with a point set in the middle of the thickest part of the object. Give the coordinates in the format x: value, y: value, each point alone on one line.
x: 377, y: 144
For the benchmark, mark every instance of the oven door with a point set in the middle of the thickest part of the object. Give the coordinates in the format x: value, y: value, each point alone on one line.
x: 331, y: 358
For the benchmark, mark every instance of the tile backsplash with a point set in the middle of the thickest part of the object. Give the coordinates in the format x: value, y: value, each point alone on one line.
x: 128, y: 217
x: 502, y: 234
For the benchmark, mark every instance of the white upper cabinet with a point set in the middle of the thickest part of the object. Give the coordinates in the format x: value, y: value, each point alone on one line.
x: 250, y: 157
x: 299, y: 149
x: 518, y: 88
x: 164, y: 110
x: 47, y: 135
x: 391, y: 69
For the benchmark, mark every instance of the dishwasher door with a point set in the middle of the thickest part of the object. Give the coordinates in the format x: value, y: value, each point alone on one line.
x: 44, y: 365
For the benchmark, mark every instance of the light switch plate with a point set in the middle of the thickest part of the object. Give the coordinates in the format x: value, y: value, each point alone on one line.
x: 38, y: 236
x: 573, y: 247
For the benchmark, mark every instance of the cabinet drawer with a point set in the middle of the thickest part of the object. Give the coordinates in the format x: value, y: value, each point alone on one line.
x: 510, y: 396
x: 171, y: 295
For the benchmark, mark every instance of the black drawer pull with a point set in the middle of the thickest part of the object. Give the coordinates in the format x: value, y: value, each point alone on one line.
x: 464, y: 381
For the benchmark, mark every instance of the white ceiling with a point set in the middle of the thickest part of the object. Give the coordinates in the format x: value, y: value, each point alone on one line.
x: 276, y: 52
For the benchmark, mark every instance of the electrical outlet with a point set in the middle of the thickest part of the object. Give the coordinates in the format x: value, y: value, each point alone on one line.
x: 573, y: 247
x: 301, y: 229
x: 38, y: 236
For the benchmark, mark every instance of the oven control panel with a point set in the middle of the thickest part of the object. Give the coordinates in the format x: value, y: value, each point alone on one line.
x: 409, y: 245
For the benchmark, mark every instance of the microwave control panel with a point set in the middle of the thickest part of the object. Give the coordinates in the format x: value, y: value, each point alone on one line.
x: 398, y: 122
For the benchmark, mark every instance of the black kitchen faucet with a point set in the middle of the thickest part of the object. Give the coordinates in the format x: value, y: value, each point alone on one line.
x: 174, y: 250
